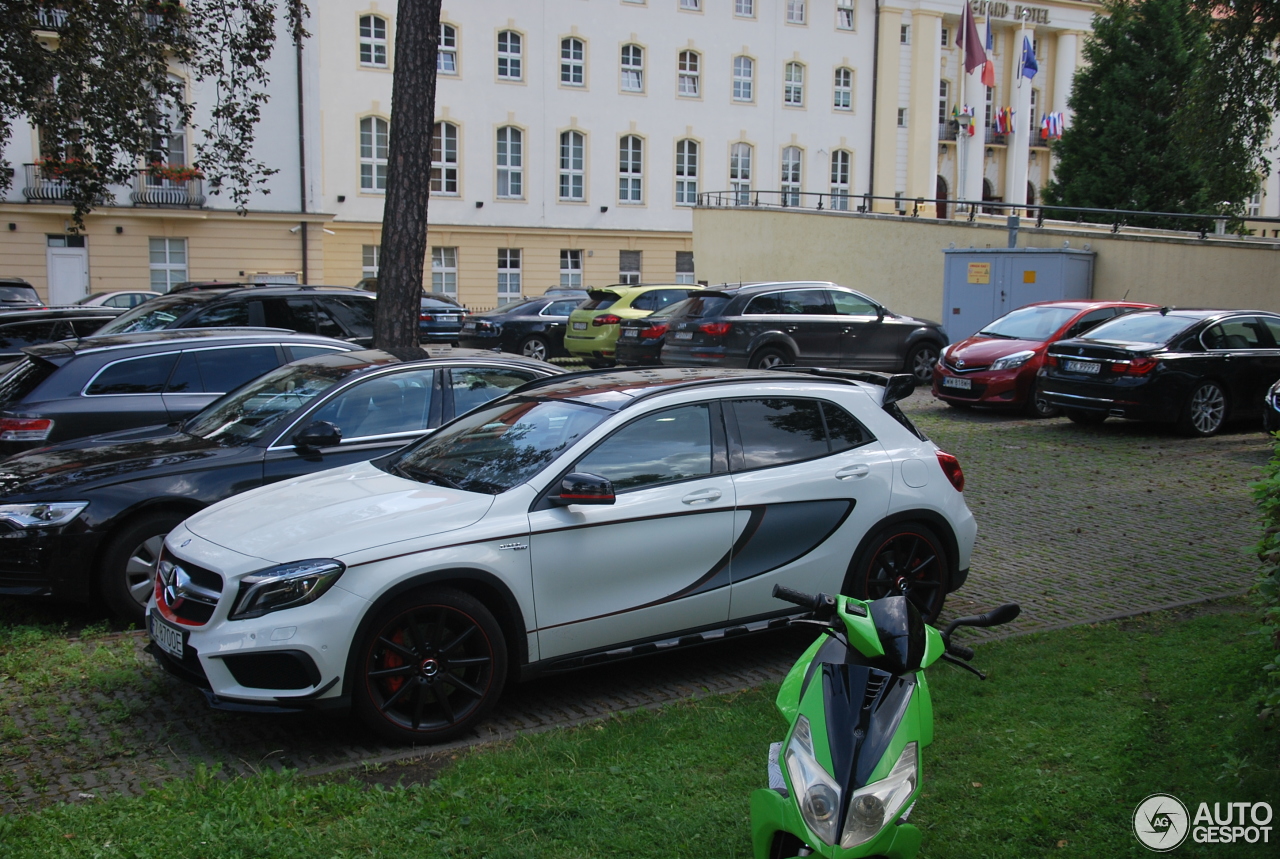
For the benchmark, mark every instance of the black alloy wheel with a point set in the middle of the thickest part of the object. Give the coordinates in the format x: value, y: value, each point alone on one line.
x: 127, y: 572
x: 909, y: 552
x: 920, y: 362
x: 770, y: 357
x: 1039, y: 407
x: 431, y: 666
x: 1205, y: 411
x: 1085, y: 417
x: 536, y: 348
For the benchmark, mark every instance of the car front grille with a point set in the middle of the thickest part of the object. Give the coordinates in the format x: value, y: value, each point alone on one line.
x: 191, y: 592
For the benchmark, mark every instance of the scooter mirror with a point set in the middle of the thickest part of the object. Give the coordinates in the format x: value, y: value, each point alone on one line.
x: 1002, y: 614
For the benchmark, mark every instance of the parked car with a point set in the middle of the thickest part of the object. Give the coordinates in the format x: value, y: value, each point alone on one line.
x: 1195, y: 368
x: 21, y: 327
x: 332, y: 311
x: 71, y: 389
x: 440, y: 320
x: 593, y: 326
x: 1271, y: 409
x: 640, y: 340
x: 762, y: 325
x: 16, y: 291
x: 579, y: 520
x: 998, y: 365
x: 113, y: 497
x: 533, y: 327
x: 120, y: 298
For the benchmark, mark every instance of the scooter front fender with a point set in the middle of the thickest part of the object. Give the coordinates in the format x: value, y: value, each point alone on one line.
x: 772, y: 813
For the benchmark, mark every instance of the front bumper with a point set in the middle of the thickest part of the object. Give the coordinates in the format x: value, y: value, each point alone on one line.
x: 987, y: 387
x: 56, y: 562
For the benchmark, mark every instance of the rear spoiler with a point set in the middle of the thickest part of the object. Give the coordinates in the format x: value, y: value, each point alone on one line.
x: 897, y: 386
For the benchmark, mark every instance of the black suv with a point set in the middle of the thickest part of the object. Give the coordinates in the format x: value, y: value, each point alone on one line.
x: 16, y: 292
x: 66, y: 390
x: 29, y: 326
x: 764, y: 325
x: 331, y: 311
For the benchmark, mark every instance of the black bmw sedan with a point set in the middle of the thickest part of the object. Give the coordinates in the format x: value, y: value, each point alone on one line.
x: 86, y: 519
x: 532, y: 327
x: 1196, y: 368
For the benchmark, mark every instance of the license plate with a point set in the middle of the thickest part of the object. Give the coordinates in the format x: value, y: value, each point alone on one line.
x: 1083, y: 367
x: 684, y: 335
x: 579, y: 326
x: 468, y: 326
x: 446, y: 319
x: 954, y: 382
x: 631, y: 332
x: 168, y: 638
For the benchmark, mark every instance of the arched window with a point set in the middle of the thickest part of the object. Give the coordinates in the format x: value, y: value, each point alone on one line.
x: 510, y: 157
x: 573, y: 148
x: 740, y: 172
x: 447, y: 58
x: 374, y: 135
x: 841, y: 165
x: 744, y: 73
x: 630, y: 169
x: 843, y: 99
x: 793, y: 85
x: 689, y: 73
x: 791, y: 185
x: 632, y: 68
x: 510, y: 56
x: 444, y: 159
x: 573, y: 62
x: 686, y: 172
x: 373, y: 41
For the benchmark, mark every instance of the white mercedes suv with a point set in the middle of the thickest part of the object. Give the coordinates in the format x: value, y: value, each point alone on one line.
x: 580, y: 519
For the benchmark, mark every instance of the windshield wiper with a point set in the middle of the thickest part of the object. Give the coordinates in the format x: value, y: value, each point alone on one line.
x: 422, y: 475
x: 1001, y: 336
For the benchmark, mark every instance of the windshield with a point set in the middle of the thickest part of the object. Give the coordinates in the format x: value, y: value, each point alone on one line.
x: 249, y: 412
x: 702, y: 306
x: 1142, y: 328
x: 1030, y: 323
x: 151, y: 316
x: 497, y: 447
x: 670, y: 310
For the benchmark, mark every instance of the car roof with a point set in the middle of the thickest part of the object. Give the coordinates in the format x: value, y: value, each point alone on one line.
x: 629, y: 288
x: 754, y: 287
x: 363, y: 359
x: 178, y: 336
x: 14, y: 314
x: 225, y: 288
x: 1089, y: 304
x: 1203, y: 312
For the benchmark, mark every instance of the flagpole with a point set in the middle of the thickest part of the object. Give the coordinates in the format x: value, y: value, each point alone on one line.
x: 1019, y: 150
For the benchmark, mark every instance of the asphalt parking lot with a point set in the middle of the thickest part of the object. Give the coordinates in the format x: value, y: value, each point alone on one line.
x: 1077, y: 524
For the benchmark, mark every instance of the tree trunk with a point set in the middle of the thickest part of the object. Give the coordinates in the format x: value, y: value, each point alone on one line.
x: 404, y: 215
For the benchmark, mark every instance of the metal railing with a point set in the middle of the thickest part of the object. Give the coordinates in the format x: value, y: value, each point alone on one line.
x: 51, y: 17
x: 149, y: 190
x: 44, y: 184
x: 948, y: 130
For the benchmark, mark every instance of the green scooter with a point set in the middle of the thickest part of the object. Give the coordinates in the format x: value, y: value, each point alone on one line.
x: 847, y: 776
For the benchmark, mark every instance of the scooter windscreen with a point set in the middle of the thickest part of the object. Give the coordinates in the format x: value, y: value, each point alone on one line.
x: 901, y: 630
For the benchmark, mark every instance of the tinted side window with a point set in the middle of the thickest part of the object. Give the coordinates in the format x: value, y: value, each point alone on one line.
x: 19, y: 334
x: 146, y: 375
x: 475, y: 386
x: 848, y: 304
x: 85, y: 327
x: 227, y: 369
x: 300, y: 352
x: 1273, y: 325
x: 279, y: 313
x: 229, y: 315
x: 355, y: 314
x: 808, y: 302
x: 1089, y: 320
x: 394, y: 404
x: 778, y: 431
x: 559, y: 308
x: 658, y: 448
x: 1241, y: 333
x: 325, y: 323
x: 844, y: 429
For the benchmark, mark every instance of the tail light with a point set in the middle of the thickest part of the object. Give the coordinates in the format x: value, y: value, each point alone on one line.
x: 606, y: 319
x: 653, y: 332
x: 1051, y: 360
x: 1136, y: 367
x: 715, y: 329
x: 426, y: 317
x: 25, y: 429
x: 951, y: 468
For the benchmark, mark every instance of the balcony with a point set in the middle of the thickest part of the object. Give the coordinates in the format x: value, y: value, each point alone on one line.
x: 150, y: 189
x: 51, y: 18
x: 44, y: 183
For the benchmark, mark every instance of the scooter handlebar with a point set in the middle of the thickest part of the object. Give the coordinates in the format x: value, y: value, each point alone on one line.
x: 965, y: 653
x: 822, y: 605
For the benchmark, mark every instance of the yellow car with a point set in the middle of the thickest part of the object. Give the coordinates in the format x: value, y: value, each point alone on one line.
x: 594, y: 325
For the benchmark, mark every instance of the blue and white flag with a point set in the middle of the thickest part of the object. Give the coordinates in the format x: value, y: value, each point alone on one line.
x: 1029, y: 66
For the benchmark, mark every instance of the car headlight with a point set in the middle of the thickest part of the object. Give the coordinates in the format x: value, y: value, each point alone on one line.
x: 1008, y: 362
x: 285, y: 586
x: 46, y: 515
x: 880, y: 802
x: 817, y: 791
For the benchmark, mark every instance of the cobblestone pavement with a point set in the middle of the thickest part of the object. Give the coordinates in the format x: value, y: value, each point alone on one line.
x: 1076, y: 523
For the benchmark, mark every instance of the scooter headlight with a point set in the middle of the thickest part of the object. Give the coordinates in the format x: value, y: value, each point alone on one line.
x: 880, y: 802
x: 817, y: 791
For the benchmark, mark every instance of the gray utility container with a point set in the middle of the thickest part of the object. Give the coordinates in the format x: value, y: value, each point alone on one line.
x: 981, y: 285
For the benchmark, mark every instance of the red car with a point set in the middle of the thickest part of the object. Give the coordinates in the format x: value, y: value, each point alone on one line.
x: 998, y: 365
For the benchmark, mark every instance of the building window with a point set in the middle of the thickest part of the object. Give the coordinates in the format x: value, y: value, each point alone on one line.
x: 572, y: 166
x: 1034, y: 99
x: 510, y: 163
x: 844, y: 14
x: 632, y: 68
x: 691, y: 5
x: 793, y: 85
x: 686, y: 172
x: 795, y: 11
x: 628, y: 266
x: 902, y: 117
x: 791, y: 176
x: 840, y: 168
x: 168, y: 263
x: 444, y: 159
x: 168, y: 143
x: 370, y: 260
x: 684, y: 267
x: 571, y: 269
x: 447, y: 58
x: 946, y: 37
x: 740, y: 172
x: 573, y: 63
x: 944, y: 96
x: 630, y: 169
x: 444, y: 270
x: 991, y: 96
x: 744, y: 9
x: 1253, y: 206
x: 898, y: 203
x: 373, y: 41
x: 508, y: 274
x: 688, y: 77
x: 904, y: 34
x: 510, y: 50
x: 843, y: 99
x: 373, y: 155
x: 744, y: 71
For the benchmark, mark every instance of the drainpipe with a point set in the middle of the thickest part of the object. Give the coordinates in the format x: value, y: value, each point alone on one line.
x: 302, y: 164
x: 875, y: 73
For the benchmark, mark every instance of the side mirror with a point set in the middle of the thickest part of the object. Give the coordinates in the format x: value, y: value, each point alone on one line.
x: 316, y: 435
x: 580, y: 488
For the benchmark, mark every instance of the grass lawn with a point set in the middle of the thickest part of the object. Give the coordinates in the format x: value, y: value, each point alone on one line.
x: 1048, y: 757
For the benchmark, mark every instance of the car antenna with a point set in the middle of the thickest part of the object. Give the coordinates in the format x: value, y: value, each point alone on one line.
x: 1125, y: 296
x: 1164, y: 311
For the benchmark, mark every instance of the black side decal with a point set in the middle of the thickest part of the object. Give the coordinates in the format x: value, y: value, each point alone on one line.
x: 779, y: 534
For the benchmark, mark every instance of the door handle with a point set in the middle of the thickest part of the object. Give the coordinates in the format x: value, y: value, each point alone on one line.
x: 859, y: 470
x: 702, y: 496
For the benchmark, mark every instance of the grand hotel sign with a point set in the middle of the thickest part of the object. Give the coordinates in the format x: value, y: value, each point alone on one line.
x: 1000, y: 9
